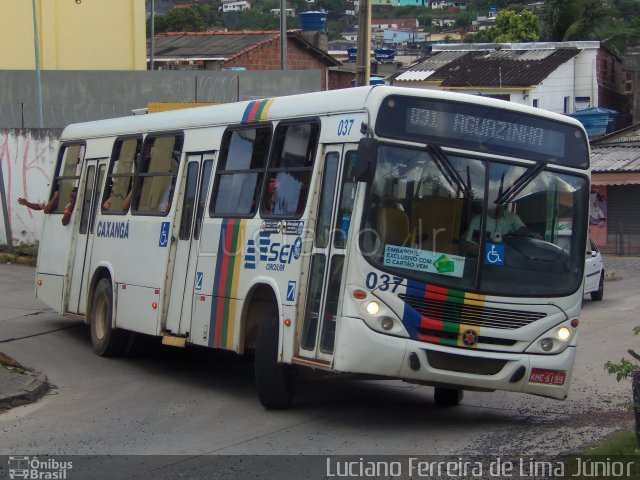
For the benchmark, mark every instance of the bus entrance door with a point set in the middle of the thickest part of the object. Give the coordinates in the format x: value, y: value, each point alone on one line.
x: 335, y: 205
x: 186, y: 283
x: 89, y: 195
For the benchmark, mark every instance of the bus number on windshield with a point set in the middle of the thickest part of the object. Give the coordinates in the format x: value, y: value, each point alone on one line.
x: 385, y: 282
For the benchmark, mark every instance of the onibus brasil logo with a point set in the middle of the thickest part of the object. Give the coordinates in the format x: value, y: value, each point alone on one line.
x: 38, y: 469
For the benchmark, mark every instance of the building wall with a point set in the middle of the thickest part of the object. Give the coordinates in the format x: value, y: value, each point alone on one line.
x: 85, y: 35
x: 27, y: 160
x: 71, y: 97
x: 267, y: 57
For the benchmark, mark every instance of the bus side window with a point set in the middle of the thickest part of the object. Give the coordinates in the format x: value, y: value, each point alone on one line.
x: 239, y: 176
x: 153, y: 190
x: 117, y: 193
x: 290, y: 169
x: 68, y: 177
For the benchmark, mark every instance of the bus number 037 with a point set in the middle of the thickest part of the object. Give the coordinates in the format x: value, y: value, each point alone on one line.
x: 344, y: 127
x: 385, y: 282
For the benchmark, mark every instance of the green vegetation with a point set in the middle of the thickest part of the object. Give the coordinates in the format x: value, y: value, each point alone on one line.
x: 614, y: 22
x: 23, y: 254
x: 623, y: 443
x: 510, y: 27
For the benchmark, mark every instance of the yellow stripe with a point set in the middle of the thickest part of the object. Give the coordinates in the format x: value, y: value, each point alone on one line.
x: 265, y: 111
x: 234, y: 286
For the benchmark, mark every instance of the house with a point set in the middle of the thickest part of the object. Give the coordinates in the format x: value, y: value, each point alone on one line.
x: 381, y: 24
x: 290, y: 12
x: 249, y: 50
x: 553, y: 76
x: 237, y: 6
x: 443, y: 22
x: 615, y: 191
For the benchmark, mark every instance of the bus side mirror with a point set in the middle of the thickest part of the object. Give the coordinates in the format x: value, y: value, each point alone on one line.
x: 366, y: 159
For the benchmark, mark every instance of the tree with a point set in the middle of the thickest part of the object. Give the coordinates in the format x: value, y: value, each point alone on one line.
x: 183, y: 20
x: 510, y: 27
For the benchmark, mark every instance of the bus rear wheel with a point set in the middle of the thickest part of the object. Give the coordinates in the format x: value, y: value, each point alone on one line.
x: 274, y: 381
x: 447, y: 397
x: 106, y: 341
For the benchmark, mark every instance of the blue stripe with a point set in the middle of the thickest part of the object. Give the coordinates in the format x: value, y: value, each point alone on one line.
x: 245, y: 117
x: 216, y: 286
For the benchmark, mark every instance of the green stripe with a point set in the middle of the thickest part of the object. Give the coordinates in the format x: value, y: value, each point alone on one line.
x: 451, y: 342
x: 450, y: 327
x: 257, y: 118
x: 229, y: 282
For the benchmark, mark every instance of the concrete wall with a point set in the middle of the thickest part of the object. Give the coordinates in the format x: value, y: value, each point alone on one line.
x: 74, y: 35
x: 70, y: 97
x: 27, y: 161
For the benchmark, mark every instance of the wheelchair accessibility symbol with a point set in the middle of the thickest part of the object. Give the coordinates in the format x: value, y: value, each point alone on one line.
x: 494, y: 254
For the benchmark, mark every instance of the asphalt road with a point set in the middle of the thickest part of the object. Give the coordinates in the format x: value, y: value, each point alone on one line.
x: 197, y: 402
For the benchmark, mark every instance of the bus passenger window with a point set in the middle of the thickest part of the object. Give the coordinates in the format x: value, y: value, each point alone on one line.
x: 66, y: 181
x: 155, y: 182
x: 239, y: 176
x: 290, y: 170
x: 117, y: 194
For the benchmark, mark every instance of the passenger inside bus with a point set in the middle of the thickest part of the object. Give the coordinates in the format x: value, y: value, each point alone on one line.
x: 53, y: 204
x: 125, y: 202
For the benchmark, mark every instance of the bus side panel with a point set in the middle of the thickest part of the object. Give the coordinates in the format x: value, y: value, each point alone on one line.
x: 50, y: 290
x: 53, y: 256
x: 139, y: 303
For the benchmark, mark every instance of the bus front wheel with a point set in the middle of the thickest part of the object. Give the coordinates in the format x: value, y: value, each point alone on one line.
x: 274, y: 381
x: 447, y: 397
x: 106, y: 341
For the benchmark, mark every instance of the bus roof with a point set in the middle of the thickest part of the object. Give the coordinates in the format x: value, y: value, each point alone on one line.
x: 301, y: 105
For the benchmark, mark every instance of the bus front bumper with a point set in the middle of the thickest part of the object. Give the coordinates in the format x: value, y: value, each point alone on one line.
x: 362, y: 350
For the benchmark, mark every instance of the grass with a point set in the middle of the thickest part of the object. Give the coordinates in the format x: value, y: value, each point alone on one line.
x: 623, y: 443
x: 620, y: 447
x: 23, y: 254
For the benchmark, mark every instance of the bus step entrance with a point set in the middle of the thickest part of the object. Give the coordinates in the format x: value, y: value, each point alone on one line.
x: 174, y: 341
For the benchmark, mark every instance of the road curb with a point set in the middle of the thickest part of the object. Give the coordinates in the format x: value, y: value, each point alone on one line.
x: 19, y: 385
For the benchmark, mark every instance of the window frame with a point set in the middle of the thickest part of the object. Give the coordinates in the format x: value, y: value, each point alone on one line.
x: 313, y: 121
x: 57, y: 179
x: 110, y: 175
x: 140, y: 176
x: 221, y: 170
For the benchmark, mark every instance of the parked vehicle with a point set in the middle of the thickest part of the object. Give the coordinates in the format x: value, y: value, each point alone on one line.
x: 594, y: 273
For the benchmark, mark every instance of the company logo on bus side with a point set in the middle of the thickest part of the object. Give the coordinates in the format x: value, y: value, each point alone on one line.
x: 113, y: 229
x: 278, y: 255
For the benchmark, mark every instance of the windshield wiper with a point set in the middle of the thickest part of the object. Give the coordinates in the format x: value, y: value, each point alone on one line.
x: 450, y: 173
x: 521, y: 182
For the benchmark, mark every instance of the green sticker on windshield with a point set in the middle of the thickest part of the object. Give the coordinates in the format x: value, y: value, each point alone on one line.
x: 423, y: 260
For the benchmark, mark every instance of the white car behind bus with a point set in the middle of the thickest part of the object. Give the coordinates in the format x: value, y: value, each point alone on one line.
x: 594, y: 273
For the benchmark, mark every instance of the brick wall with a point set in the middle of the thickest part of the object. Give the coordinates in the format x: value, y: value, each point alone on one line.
x: 267, y: 57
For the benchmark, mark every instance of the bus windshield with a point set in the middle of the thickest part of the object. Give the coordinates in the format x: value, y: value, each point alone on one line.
x: 430, y: 210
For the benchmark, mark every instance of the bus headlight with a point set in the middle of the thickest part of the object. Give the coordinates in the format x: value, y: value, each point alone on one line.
x: 555, y: 340
x: 373, y: 308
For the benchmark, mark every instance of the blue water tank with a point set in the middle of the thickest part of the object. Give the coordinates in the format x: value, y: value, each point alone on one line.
x: 372, y: 81
x: 597, y: 121
x: 382, y: 54
x: 313, y: 21
x: 352, y: 52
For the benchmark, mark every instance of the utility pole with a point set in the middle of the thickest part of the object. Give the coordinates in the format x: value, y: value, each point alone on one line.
x: 283, y: 34
x: 36, y: 42
x: 153, y: 34
x: 363, y: 60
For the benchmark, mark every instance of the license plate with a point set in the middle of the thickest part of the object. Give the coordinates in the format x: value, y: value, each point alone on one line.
x: 548, y: 377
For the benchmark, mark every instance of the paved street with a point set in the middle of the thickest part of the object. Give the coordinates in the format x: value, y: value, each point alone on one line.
x: 198, y: 402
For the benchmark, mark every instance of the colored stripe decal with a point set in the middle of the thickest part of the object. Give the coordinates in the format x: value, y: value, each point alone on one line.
x: 449, y: 319
x: 225, y: 287
x: 257, y: 110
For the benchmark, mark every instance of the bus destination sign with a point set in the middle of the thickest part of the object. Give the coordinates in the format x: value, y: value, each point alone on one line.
x: 478, y: 127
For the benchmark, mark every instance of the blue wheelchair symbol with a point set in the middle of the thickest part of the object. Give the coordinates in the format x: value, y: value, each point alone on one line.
x: 494, y: 254
x: 291, y: 292
x: 164, y: 234
x: 199, y: 277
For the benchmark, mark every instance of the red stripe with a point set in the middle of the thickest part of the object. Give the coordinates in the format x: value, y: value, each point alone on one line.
x: 428, y: 338
x: 222, y: 282
x: 254, y: 110
x: 431, y: 324
x: 440, y: 290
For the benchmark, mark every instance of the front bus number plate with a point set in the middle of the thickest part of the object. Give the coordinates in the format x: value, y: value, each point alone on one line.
x: 550, y: 377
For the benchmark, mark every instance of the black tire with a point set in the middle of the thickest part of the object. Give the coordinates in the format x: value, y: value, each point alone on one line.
x: 106, y: 341
x: 598, y: 295
x: 447, y: 397
x: 274, y: 381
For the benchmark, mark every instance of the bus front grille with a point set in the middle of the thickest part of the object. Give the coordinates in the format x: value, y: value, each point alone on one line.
x: 480, y: 316
x: 460, y: 363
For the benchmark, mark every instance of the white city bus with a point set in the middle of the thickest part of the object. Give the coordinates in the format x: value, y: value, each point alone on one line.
x: 337, y: 231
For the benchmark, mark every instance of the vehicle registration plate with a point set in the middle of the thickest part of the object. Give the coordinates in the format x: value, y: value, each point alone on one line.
x: 549, y: 377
